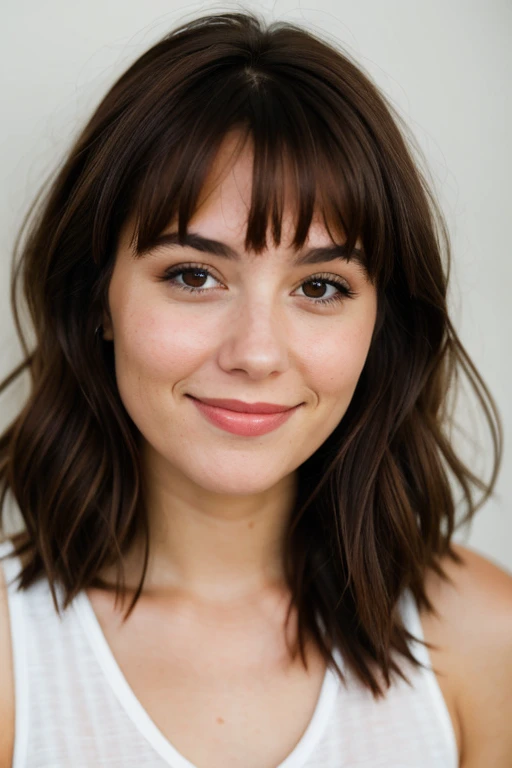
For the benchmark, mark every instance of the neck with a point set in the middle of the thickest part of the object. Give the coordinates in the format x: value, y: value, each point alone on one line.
x: 216, y: 548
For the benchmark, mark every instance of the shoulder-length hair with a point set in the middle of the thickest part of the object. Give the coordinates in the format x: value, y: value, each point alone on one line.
x: 376, y: 505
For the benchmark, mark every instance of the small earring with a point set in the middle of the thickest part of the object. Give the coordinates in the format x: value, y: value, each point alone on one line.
x: 96, y: 332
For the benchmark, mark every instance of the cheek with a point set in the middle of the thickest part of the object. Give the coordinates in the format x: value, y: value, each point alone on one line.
x: 151, y: 357
x: 335, y: 359
x: 149, y: 344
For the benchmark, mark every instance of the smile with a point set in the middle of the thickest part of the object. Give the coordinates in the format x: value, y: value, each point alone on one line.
x: 244, y: 423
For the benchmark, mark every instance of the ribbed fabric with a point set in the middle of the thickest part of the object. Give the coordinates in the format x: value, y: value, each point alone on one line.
x: 74, y: 708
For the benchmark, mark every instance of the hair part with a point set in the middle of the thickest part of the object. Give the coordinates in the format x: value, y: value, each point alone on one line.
x: 375, y: 508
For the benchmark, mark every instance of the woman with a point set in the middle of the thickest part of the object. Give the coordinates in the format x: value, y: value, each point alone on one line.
x: 238, y: 421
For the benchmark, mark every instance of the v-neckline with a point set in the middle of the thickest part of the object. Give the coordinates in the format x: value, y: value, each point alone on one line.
x: 148, y: 728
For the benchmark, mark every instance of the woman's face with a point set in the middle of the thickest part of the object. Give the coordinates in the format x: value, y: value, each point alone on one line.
x: 245, y: 327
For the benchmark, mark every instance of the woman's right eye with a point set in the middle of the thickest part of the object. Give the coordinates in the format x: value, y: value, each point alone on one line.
x: 193, y: 279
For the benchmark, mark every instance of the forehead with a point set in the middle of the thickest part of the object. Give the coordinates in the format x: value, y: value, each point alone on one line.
x: 225, y: 198
x: 231, y: 212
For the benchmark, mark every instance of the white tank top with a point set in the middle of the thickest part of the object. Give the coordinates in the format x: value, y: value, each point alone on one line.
x: 74, y: 707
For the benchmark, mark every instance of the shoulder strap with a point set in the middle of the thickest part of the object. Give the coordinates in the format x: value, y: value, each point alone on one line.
x: 11, y: 568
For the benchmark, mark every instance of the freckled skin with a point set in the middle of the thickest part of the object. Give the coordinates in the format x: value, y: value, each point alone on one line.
x: 258, y: 339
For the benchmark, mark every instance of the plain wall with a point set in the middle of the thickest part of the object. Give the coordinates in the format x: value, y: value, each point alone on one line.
x: 445, y: 65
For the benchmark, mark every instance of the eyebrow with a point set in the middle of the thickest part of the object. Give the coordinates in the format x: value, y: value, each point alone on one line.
x: 217, y: 248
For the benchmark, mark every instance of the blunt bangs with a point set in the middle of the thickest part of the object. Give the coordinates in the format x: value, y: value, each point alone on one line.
x: 307, y: 140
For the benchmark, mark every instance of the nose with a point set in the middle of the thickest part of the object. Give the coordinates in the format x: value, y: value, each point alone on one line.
x: 254, y: 341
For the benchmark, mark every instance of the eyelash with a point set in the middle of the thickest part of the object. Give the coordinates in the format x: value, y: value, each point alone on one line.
x: 343, y: 291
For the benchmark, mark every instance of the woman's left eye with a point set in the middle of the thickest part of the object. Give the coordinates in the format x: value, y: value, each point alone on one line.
x: 318, y: 289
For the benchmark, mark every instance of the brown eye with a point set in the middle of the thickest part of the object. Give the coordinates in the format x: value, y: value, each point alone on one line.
x: 194, y: 278
x: 315, y: 289
x: 190, y: 277
x: 323, y: 290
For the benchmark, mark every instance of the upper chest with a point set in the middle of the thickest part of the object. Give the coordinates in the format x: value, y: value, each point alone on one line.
x: 229, y: 680
x: 224, y: 678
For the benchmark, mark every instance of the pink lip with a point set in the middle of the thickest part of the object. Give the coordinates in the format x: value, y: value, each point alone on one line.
x: 246, y: 419
x: 241, y: 407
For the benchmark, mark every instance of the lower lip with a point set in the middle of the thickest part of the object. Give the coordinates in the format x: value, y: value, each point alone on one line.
x: 245, y: 424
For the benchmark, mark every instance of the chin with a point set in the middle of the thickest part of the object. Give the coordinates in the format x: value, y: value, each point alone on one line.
x: 228, y: 475
x: 234, y: 471
x: 232, y: 483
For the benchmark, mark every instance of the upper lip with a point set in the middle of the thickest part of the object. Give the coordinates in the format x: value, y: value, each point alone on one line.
x: 242, y: 407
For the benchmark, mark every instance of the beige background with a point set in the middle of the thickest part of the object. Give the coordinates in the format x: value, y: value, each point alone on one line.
x: 445, y: 64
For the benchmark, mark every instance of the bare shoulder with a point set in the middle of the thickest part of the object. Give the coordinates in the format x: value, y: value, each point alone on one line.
x: 6, y: 680
x: 475, y: 625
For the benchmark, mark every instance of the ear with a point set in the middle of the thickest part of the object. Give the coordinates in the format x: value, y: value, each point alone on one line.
x: 108, y: 333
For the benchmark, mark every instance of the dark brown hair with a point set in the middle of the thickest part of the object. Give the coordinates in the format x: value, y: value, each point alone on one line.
x: 376, y: 505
